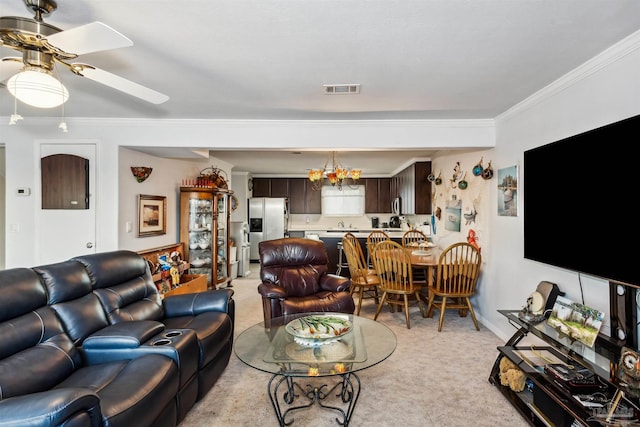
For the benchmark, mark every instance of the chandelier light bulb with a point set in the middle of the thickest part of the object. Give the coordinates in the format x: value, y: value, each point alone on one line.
x: 335, y: 174
x: 38, y: 87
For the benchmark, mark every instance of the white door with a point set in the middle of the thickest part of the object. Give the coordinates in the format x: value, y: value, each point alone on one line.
x: 65, y: 233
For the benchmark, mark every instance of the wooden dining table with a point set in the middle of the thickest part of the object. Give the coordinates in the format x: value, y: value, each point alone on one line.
x: 428, y: 262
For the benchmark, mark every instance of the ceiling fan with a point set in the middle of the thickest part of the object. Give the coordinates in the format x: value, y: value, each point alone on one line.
x: 44, y: 45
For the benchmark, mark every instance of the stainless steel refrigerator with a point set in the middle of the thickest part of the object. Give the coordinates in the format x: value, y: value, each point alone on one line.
x: 240, y: 235
x: 268, y: 219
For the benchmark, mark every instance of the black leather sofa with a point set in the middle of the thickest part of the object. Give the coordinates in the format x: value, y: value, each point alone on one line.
x: 90, y: 342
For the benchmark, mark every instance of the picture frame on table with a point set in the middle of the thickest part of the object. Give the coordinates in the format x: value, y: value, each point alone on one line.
x: 152, y: 215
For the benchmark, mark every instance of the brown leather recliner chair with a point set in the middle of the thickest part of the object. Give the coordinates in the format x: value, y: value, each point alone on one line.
x: 294, y: 279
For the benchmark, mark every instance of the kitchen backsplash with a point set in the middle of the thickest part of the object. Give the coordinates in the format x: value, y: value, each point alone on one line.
x: 320, y: 222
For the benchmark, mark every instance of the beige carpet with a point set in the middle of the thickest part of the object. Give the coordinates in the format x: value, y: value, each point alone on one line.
x: 433, y: 379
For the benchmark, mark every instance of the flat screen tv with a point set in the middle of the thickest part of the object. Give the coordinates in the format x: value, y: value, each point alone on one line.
x: 580, y: 197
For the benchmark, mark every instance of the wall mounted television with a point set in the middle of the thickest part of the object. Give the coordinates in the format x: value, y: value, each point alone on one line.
x: 579, y: 207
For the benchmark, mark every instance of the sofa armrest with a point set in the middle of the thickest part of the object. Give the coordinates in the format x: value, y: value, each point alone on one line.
x: 73, y: 405
x: 272, y: 291
x: 123, y: 335
x: 197, y: 303
x: 335, y: 283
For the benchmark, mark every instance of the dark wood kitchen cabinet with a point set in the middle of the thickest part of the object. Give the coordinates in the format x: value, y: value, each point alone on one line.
x: 261, y: 187
x: 414, y: 189
x: 302, y: 198
x: 377, y: 195
x: 270, y: 187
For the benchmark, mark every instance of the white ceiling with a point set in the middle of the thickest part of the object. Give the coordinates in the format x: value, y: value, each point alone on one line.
x: 269, y: 59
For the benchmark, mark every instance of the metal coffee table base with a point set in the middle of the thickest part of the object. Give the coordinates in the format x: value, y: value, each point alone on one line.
x: 347, y: 390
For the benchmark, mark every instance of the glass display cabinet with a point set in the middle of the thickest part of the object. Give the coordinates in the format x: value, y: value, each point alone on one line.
x: 204, y: 232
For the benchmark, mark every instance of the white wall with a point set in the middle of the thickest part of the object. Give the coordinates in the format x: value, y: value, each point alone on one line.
x: 604, y: 90
x: 240, y: 185
x: 165, y: 180
x: 22, y: 148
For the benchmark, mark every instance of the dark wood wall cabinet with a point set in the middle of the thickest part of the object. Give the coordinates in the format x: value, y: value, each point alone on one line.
x: 411, y: 185
x: 377, y: 196
x: 302, y: 198
x: 414, y: 189
x: 549, y: 400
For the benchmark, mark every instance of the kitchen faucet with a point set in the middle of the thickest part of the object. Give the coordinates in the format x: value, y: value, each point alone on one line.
x: 341, y: 224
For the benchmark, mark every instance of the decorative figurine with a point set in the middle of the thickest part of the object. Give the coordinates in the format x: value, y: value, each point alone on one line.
x: 472, y: 239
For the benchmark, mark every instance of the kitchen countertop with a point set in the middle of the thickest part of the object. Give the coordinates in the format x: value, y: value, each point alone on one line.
x: 358, y: 232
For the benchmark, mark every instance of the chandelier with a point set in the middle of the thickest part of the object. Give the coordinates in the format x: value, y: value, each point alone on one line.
x: 334, y: 173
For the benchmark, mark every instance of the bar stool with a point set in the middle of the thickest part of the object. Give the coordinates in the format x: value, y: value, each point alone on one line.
x: 342, y: 263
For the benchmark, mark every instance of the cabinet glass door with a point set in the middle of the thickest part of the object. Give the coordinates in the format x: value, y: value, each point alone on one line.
x: 200, y: 220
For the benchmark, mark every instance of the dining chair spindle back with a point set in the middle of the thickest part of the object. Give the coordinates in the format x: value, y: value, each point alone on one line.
x: 393, y: 266
x: 457, y: 275
x: 364, y: 281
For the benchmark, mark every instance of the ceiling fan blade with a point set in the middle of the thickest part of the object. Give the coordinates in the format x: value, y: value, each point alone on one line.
x: 9, y: 66
x: 119, y: 83
x: 89, y: 38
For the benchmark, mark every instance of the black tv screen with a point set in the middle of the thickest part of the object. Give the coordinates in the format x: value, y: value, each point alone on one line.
x: 579, y: 203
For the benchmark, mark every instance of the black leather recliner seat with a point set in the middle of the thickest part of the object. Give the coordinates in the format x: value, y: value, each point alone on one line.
x: 122, y: 281
x: 44, y: 381
x: 90, y: 342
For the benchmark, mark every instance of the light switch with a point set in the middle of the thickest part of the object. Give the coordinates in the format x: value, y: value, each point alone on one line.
x: 128, y: 227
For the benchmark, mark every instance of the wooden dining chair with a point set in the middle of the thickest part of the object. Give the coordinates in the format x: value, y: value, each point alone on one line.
x: 364, y: 281
x: 457, y: 274
x: 412, y: 239
x: 375, y: 237
x: 393, y: 266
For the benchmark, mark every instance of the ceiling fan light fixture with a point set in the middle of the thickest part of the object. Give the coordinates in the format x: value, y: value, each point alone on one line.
x: 38, y: 87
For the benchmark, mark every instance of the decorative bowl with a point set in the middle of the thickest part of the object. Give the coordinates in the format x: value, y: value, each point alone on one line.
x: 197, y: 262
x: 319, y: 329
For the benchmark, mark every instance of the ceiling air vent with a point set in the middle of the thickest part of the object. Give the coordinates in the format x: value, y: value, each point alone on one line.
x: 351, y: 89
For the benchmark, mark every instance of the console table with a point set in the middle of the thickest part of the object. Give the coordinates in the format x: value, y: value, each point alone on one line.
x: 547, y: 403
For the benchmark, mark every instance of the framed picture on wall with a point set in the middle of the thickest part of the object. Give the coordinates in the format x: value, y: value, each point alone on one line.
x: 508, y: 191
x: 152, y: 215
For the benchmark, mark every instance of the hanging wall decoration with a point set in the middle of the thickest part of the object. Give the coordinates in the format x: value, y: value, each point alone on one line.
x: 487, y: 173
x: 463, y: 184
x: 470, y: 217
x: 477, y: 169
x: 141, y: 173
x: 458, y: 174
x: 508, y: 191
x: 453, y: 215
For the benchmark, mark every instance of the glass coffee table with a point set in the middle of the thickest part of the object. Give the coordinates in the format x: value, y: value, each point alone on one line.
x: 315, y: 348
